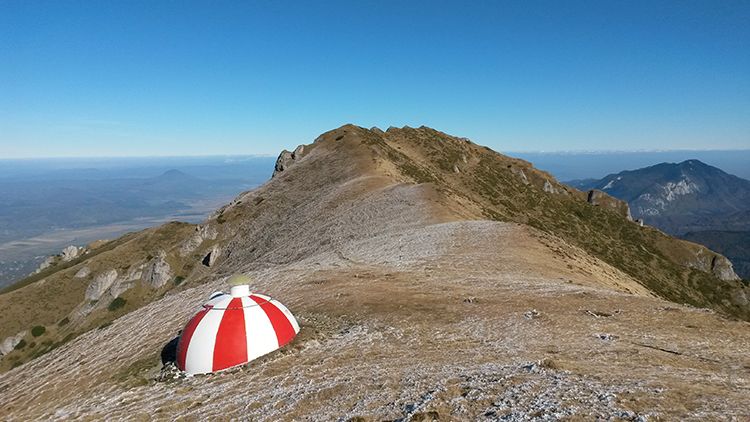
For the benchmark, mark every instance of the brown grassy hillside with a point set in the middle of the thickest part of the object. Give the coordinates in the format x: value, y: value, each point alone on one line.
x: 507, y: 189
x: 432, y: 278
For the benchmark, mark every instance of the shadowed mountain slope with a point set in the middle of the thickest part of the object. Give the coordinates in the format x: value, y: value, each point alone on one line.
x: 681, y: 197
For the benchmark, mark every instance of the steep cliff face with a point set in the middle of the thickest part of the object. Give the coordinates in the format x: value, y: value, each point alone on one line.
x: 600, y: 199
x: 693, y: 255
x: 287, y: 159
x: 735, y: 245
x: 425, y: 270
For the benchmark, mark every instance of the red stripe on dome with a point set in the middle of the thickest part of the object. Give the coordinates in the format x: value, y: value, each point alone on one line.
x: 281, y: 325
x: 187, y: 334
x: 231, y: 340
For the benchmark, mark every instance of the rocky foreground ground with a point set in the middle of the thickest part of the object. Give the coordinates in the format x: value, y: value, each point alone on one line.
x: 448, y: 321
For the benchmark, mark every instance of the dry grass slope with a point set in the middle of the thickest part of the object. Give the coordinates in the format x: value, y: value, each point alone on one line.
x: 431, y: 277
x: 493, y: 182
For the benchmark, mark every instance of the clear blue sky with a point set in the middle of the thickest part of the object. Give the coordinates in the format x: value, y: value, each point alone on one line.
x: 114, y: 78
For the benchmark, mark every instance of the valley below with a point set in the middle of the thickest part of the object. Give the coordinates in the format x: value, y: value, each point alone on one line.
x: 54, y: 203
x: 21, y: 257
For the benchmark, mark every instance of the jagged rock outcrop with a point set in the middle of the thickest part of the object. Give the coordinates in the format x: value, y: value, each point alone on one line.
x: 83, y: 272
x: 602, y: 199
x: 68, y: 254
x: 10, y: 343
x: 202, y: 233
x: 548, y: 187
x: 71, y: 252
x: 722, y: 268
x: 100, y: 285
x: 211, y: 256
x: 128, y: 281
x: 48, y: 262
x: 521, y: 175
x: 706, y: 260
x: 109, y: 282
x: 286, y: 159
x: 740, y: 298
x: 158, y: 272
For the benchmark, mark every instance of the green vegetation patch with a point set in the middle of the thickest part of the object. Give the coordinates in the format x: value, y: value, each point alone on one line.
x: 38, y: 330
x: 116, y: 304
x: 137, y: 373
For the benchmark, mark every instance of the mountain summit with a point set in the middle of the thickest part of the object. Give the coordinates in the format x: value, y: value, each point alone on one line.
x: 680, y: 197
x: 431, y: 277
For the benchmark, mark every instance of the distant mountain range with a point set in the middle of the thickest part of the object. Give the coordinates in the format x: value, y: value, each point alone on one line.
x: 690, y: 199
x: 574, y: 165
x: 49, y: 204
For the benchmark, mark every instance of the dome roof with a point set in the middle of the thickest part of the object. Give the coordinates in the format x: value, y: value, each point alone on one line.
x: 233, y: 329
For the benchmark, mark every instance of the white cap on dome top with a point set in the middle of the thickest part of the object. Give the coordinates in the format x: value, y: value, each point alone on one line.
x: 242, y: 290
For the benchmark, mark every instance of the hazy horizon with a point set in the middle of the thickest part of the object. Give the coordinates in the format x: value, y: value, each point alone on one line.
x: 564, y: 165
x: 274, y: 155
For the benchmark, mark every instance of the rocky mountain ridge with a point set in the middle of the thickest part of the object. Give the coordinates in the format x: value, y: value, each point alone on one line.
x: 389, y: 244
x: 690, y: 199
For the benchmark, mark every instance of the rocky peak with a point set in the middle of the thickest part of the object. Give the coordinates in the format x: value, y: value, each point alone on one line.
x: 101, y: 284
x: 68, y: 254
x: 10, y: 343
x: 158, y: 271
x: 72, y: 252
x: 722, y: 268
x: 287, y: 159
x: 602, y: 199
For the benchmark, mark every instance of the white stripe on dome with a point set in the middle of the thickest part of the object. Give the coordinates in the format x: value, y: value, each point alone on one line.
x: 288, y: 314
x: 222, y: 302
x: 200, y: 352
x: 261, y: 337
x: 267, y: 298
x: 222, y: 298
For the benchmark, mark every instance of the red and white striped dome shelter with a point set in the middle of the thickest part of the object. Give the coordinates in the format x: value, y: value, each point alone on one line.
x: 233, y: 329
